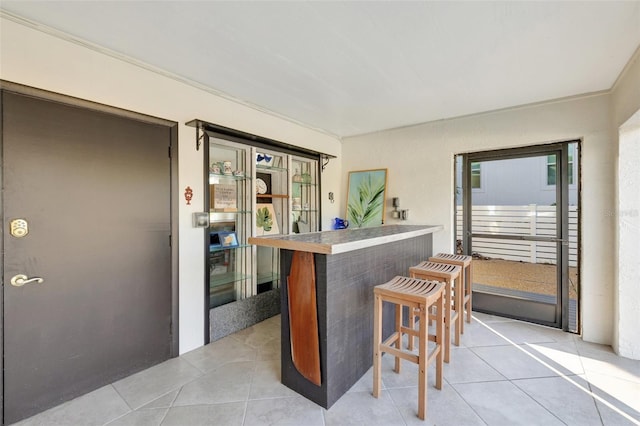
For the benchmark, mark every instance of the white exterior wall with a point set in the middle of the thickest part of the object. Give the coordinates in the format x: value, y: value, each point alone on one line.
x: 38, y: 59
x: 420, y: 162
x: 626, y: 125
x: 628, y: 216
x: 514, y: 182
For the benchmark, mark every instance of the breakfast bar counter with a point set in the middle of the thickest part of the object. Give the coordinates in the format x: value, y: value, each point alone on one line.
x: 327, y: 281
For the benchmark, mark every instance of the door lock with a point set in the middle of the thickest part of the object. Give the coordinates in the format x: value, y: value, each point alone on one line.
x: 21, y: 279
x: 19, y: 228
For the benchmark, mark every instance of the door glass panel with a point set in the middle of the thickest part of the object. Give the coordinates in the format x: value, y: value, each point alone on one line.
x: 573, y: 169
x: 272, y: 205
x: 304, y: 196
x: 229, y: 218
x: 516, y: 203
x: 524, y: 269
x: 515, y: 234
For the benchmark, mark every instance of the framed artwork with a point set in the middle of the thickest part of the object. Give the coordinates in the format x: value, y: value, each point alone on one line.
x: 224, y: 197
x: 365, y: 198
x: 221, y: 240
x: 263, y: 187
x: 266, y: 220
x: 229, y: 239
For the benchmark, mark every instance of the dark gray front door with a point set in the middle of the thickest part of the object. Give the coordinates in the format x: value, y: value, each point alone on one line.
x: 94, y: 190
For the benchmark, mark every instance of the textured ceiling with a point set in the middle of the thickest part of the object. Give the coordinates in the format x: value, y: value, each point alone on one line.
x: 356, y: 67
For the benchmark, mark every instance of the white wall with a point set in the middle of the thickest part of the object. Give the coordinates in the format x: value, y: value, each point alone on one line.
x: 39, y: 59
x: 628, y: 216
x: 420, y: 163
x: 626, y: 122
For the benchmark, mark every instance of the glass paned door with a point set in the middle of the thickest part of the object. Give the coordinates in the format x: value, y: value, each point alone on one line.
x: 229, y: 271
x: 272, y: 218
x: 514, y: 218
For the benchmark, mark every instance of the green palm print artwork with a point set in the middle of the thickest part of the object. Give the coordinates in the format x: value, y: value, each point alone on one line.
x: 365, y: 202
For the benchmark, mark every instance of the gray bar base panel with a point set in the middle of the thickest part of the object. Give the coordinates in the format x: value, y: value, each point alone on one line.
x: 344, y: 288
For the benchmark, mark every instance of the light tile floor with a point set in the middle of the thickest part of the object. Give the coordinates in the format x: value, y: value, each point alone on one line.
x: 504, y: 373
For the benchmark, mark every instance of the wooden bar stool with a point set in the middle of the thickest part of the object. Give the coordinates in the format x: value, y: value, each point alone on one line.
x: 450, y: 275
x: 466, y: 263
x: 419, y: 296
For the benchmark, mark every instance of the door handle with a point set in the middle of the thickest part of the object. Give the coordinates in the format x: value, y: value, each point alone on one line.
x: 20, y: 280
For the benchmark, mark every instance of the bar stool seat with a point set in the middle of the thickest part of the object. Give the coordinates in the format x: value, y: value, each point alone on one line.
x: 466, y: 263
x: 419, y: 296
x: 450, y: 275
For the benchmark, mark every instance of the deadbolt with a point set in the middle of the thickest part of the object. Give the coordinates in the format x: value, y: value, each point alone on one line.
x: 19, y: 228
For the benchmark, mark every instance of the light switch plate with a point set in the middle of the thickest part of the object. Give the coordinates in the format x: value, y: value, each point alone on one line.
x: 200, y: 219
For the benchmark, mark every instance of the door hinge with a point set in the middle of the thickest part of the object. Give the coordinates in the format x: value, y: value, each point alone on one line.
x: 169, y: 151
x: 169, y: 240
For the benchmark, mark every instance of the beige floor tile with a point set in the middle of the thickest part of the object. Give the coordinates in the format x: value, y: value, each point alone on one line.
x: 291, y: 411
x: 502, y: 403
x: 95, y: 408
x: 146, y: 386
x: 361, y: 408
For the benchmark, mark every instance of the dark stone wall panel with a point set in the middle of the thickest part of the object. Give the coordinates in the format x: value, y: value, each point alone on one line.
x: 236, y: 316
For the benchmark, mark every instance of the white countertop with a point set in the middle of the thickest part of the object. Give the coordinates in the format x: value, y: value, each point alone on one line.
x: 344, y: 240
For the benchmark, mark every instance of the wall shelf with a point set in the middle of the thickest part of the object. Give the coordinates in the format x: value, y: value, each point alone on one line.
x: 272, y: 196
x: 226, y: 278
x: 214, y: 249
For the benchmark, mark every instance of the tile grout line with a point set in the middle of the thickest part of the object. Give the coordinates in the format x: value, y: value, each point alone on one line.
x: 586, y: 379
x: 534, y: 399
x: 487, y: 364
x: 393, y: 401
x: 131, y: 410
x: 469, y: 405
x: 166, y: 413
x: 246, y: 402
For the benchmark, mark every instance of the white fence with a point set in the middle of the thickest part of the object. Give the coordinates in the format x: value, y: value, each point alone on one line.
x: 519, y: 220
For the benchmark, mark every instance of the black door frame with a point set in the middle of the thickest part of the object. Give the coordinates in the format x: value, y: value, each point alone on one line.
x: 527, y: 310
x: 11, y: 87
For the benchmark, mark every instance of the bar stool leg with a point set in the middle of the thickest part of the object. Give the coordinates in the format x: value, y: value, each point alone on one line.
x: 412, y: 325
x: 399, y: 335
x: 439, y: 337
x: 447, y: 321
x: 469, y: 290
x: 463, y: 278
x: 377, y: 340
x: 459, y: 307
x: 422, y: 361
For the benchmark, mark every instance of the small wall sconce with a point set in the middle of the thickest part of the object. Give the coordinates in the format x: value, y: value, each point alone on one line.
x: 398, y: 214
x: 396, y: 203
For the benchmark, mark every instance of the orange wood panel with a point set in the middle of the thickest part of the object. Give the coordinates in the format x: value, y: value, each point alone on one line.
x: 303, y: 316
